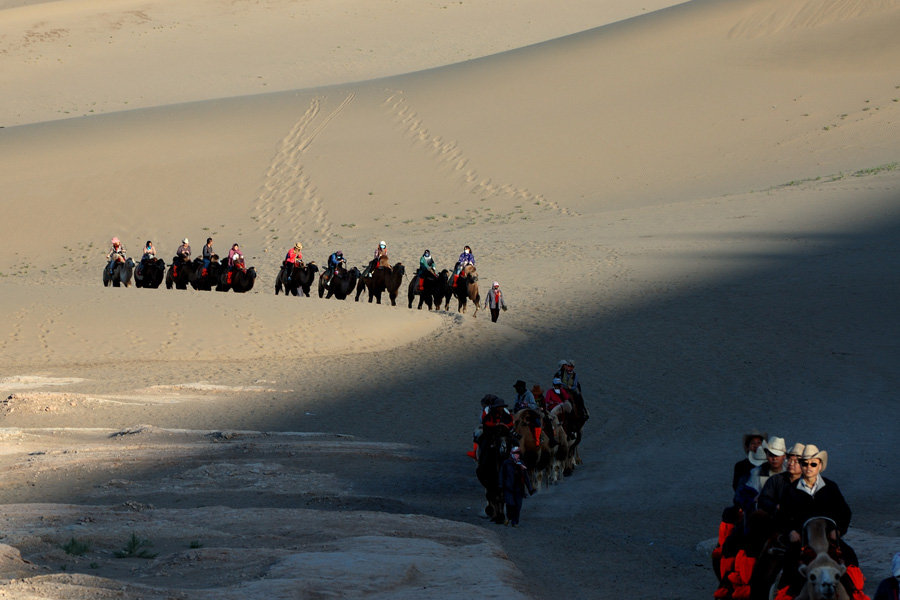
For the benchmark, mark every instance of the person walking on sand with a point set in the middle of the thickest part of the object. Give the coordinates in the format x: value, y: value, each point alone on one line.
x: 495, y: 301
x: 514, y: 482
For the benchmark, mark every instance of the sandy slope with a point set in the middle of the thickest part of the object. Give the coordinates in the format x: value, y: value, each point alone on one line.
x: 699, y: 206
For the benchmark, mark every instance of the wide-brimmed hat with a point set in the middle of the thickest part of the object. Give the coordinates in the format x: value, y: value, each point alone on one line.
x: 775, y: 445
x: 757, y: 457
x: 752, y: 434
x: 185, y: 241
x: 298, y: 246
x: 797, y: 449
x: 811, y: 452
x: 519, y: 384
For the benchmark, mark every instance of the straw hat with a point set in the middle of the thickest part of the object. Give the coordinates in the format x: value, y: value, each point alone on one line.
x: 298, y: 246
x: 753, y: 433
x: 810, y: 452
x: 757, y: 457
x: 797, y: 449
x: 775, y: 445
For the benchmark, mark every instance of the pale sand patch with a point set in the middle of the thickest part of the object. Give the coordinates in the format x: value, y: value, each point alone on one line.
x: 27, y: 382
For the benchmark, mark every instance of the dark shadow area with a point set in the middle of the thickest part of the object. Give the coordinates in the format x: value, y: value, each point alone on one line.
x: 803, y: 344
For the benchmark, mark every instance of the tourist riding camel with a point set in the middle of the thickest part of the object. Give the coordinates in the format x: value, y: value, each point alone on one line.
x: 293, y: 259
x: 380, y: 253
x: 426, y: 266
x: 742, y: 468
x: 775, y: 487
x: 465, y: 258
x: 335, y: 261
x: 207, y: 253
x: 183, y: 253
x: 494, y: 415
x: 116, y: 253
x: 524, y: 398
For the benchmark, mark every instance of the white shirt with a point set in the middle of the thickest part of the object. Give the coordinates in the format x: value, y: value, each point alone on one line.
x: 811, y: 490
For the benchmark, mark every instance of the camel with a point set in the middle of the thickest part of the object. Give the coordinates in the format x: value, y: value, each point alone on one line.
x: 383, y: 278
x: 431, y: 293
x: 465, y: 288
x: 535, y: 445
x: 239, y: 278
x: 342, y: 283
x: 823, y: 573
x: 179, y: 274
x: 301, y: 279
x: 559, y: 458
x: 121, y: 273
x: 150, y: 273
x: 205, y: 279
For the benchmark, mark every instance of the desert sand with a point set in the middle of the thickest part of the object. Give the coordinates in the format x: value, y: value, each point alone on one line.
x: 698, y: 203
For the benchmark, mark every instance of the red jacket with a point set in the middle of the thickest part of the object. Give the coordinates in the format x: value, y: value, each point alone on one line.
x: 293, y: 256
x: 552, y: 399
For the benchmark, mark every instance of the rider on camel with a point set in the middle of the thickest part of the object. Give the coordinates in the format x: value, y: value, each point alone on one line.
x: 334, y: 261
x: 294, y: 258
x: 207, y: 254
x: 494, y: 415
x: 380, y: 252
x: 115, y: 254
x: 183, y: 254
x: 566, y: 372
x: 234, y: 255
x: 466, y: 258
x: 556, y: 395
x: 148, y: 256
x: 426, y: 265
x: 149, y: 252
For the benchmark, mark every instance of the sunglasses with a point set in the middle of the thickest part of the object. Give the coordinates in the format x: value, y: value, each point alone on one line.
x: 808, y: 463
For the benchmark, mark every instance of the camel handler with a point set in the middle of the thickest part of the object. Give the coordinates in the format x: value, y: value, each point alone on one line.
x: 514, y: 482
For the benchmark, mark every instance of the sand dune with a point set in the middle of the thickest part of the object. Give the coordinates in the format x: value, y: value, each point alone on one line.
x: 698, y: 205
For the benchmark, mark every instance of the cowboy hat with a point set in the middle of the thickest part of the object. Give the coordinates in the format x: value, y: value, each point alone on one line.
x: 797, y: 449
x: 753, y: 434
x: 298, y: 246
x: 775, y: 445
x: 810, y: 452
x: 757, y: 457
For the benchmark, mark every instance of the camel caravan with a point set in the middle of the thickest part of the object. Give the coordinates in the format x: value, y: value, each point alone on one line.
x: 204, y: 272
x: 541, y: 434
x: 782, y: 536
x: 296, y: 277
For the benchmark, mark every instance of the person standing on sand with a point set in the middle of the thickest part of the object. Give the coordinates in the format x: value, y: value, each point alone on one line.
x: 514, y: 482
x: 495, y: 301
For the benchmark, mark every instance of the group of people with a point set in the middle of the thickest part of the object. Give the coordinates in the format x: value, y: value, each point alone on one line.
x: 515, y: 479
x: 777, y: 490
x: 183, y: 253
